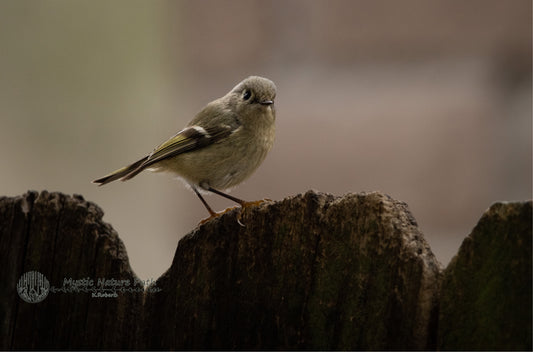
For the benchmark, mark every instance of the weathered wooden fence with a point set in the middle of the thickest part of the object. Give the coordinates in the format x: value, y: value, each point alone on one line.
x: 312, y: 271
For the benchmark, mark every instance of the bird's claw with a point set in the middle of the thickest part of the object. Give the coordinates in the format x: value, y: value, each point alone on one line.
x: 216, y: 215
x: 243, y: 206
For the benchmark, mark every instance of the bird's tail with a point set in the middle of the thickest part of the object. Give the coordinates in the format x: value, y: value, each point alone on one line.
x: 123, y: 174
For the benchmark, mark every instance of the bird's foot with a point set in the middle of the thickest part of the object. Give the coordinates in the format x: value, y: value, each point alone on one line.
x: 245, y: 205
x: 216, y: 215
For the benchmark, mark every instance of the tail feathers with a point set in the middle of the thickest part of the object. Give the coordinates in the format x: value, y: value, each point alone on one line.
x: 123, y: 174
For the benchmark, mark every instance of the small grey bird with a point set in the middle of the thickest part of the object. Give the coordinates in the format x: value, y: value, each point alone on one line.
x: 221, y: 147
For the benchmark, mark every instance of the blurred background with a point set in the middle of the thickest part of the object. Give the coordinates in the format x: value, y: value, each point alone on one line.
x: 428, y: 101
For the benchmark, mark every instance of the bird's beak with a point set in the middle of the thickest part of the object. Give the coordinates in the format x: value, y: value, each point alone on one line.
x: 267, y: 102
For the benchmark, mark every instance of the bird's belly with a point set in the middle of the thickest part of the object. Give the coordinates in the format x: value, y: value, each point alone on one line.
x: 222, y: 168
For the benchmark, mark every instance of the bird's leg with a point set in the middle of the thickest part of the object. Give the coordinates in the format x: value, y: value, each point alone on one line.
x: 236, y: 200
x: 212, y: 214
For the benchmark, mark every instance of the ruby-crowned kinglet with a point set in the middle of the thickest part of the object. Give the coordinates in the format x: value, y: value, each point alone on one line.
x: 221, y: 147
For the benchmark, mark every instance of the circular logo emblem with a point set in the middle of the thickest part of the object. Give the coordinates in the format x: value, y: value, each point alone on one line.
x: 33, y: 287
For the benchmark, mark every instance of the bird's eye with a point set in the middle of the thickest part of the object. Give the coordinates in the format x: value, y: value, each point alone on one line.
x: 246, y: 94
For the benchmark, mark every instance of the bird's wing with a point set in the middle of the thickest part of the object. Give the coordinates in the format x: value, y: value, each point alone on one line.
x: 214, y: 123
x: 189, y: 139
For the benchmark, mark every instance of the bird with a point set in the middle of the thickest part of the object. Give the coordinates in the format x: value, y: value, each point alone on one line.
x: 220, y: 147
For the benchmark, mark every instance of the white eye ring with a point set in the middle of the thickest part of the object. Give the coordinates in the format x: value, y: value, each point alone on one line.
x: 246, y: 94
